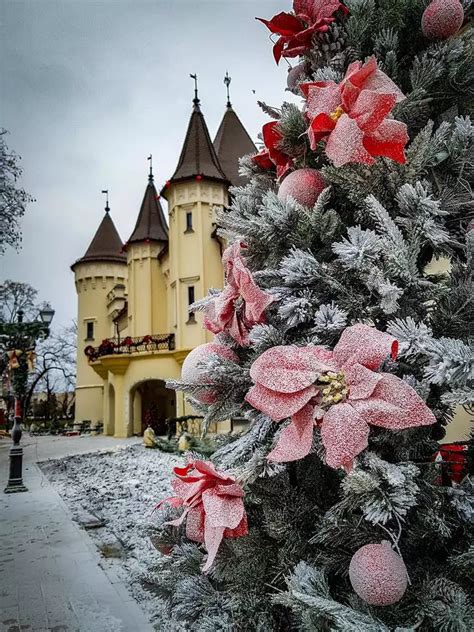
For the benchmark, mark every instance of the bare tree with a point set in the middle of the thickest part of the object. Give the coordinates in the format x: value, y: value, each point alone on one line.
x: 13, y: 200
x: 16, y: 296
x: 55, y: 371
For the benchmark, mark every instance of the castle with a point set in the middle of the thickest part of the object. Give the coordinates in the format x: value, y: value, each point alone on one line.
x: 134, y: 327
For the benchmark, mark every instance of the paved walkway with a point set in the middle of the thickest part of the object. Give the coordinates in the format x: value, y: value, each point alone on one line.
x: 50, y: 577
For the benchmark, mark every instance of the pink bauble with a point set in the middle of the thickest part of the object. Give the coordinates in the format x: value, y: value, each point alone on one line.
x: 295, y: 74
x: 191, y: 373
x: 442, y: 19
x: 378, y: 575
x: 303, y: 185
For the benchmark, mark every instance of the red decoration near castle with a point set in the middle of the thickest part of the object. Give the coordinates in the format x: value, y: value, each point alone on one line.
x: 296, y: 31
x: 351, y: 116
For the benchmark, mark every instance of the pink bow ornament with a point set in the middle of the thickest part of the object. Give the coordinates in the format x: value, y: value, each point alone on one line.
x: 213, y: 506
x: 241, y: 305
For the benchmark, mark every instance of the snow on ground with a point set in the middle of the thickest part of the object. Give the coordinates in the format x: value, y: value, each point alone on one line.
x: 121, y: 488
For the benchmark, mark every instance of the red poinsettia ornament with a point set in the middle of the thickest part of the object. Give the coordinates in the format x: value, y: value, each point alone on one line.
x: 272, y: 155
x: 213, y: 505
x: 241, y: 305
x: 351, y: 116
x: 340, y: 391
x: 296, y: 30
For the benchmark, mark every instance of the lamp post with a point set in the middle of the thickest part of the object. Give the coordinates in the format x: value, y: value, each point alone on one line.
x: 20, y: 339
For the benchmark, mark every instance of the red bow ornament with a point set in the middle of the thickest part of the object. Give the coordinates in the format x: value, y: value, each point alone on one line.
x: 339, y: 391
x: 296, y: 30
x: 351, y: 116
x: 213, y: 506
x: 13, y: 358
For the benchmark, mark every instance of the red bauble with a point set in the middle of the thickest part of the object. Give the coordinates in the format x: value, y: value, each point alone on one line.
x: 378, y: 575
x: 294, y: 75
x: 191, y: 372
x: 303, y: 185
x: 442, y: 19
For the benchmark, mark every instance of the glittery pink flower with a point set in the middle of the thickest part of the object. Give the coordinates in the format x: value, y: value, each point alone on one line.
x: 339, y: 391
x: 241, y: 304
x: 352, y: 116
x: 213, y: 506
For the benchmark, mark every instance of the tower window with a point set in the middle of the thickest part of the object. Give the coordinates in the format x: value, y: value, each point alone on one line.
x: 191, y: 299
x: 189, y: 223
x: 90, y: 331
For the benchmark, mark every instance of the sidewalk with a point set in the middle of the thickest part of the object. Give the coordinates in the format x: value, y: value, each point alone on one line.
x: 50, y: 578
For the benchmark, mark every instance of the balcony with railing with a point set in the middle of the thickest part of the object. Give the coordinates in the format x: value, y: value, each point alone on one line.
x: 129, y: 345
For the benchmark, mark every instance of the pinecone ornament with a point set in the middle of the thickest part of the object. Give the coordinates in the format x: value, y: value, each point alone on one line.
x: 328, y: 45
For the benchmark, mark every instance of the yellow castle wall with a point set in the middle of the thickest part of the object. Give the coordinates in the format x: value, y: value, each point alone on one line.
x: 93, y: 282
x: 147, y: 295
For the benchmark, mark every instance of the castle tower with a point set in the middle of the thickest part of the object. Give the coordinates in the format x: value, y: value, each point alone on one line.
x: 197, y: 185
x: 147, y: 296
x: 103, y: 267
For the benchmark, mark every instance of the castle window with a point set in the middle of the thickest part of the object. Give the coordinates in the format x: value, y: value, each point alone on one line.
x: 191, y: 299
x: 89, y: 331
x: 189, y: 223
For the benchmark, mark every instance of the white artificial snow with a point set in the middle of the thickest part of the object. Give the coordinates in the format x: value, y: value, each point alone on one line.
x: 121, y: 487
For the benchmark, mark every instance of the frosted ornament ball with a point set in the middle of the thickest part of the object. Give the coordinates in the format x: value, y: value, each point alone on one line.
x: 442, y: 19
x: 378, y: 575
x: 191, y: 372
x: 303, y: 185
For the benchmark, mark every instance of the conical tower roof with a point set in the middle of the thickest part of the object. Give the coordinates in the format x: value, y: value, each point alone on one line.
x: 151, y: 224
x: 106, y: 244
x: 232, y: 141
x: 198, y: 156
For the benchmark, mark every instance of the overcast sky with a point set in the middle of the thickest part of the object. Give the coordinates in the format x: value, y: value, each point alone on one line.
x: 89, y: 88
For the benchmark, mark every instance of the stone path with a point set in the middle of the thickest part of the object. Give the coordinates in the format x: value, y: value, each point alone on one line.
x: 50, y: 574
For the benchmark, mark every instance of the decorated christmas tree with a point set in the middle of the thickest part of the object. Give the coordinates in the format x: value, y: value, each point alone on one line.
x: 340, y: 341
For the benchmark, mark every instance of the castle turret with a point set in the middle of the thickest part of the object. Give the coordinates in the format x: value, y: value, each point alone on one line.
x: 147, y: 297
x: 196, y: 187
x: 103, y: 267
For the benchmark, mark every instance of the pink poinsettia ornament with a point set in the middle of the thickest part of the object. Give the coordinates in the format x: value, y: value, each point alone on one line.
x: 241, y: 305
x: 351, y: 116
x: 213, y: 505
x: 340, y: 391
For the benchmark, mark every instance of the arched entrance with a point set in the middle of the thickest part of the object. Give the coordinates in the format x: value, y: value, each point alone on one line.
x: 151, y: 403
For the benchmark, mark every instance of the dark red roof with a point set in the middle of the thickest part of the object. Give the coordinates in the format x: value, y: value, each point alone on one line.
x: 198, y: 156
x: 151, y: 224
x: 232, y: 141
x: 105, y: 246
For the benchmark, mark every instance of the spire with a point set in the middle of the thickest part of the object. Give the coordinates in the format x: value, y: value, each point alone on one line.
x: 232, y: 141
x: 107, y: 207
x: 227, y: 81
x: 150, y: 175
x: 198, y: 156
x: 106, y: 244
x: 196, y: 101
x: 151, y: 224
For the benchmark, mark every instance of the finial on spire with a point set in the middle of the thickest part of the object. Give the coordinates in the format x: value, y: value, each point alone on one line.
x: 107, y: 207
x: 150, y: 175
x: 196, y: 98
x: 227, y: 81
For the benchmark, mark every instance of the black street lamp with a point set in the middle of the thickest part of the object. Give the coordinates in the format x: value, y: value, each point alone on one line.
x: 20, y: 339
